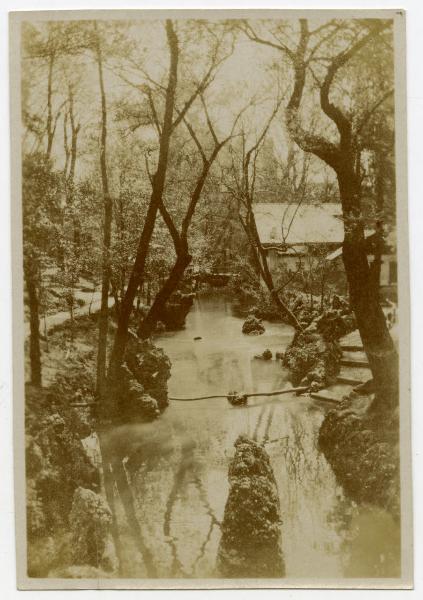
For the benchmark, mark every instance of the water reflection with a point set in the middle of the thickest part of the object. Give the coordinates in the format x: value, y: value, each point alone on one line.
x: 177, y: 466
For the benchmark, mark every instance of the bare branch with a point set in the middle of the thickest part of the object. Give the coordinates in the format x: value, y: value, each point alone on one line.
x: 196, y: 140
x: 251, y: 34
x: 153, y: 111
x: 254, y: 149
x: 367, y: 116
x: 333, y: 112
x: 195, y: 196
x: 205, y: 81
x: 173, y: 230
x: 336, y: 27
x: 147, y: 168
x: 209, y: 123
x: 146, y: 75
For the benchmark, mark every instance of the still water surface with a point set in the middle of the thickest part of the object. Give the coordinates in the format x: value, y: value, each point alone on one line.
x: 178, y: 465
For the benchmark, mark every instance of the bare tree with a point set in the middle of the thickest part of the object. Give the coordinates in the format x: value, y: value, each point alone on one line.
x: 46, y: 51
x: 341, y: 156
x: 180, y: 236
x: 103, y: 320
x: 244, y: 193
x: 165, y: 130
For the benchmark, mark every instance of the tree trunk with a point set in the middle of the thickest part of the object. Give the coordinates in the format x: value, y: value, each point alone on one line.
x: 322, y: 289
x: 148, y: 294
x: 376, y: 268
x: 376, y: 265
x: 341, y: 157
x: 71, y: 178
x: 377, y: 342
x: 103, y: 321
x: 158, y: 182
x: 34, y: 324
x: 155, y: 313
x: 135, y: 279
x: 364, y: 295
x: 311, y: 292
x: 50, y: 127
x: 121, y: 239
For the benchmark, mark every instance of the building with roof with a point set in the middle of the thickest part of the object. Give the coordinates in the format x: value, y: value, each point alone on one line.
x: 291, y: 233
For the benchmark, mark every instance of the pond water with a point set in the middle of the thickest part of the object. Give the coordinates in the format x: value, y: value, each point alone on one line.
x: 178, y: 465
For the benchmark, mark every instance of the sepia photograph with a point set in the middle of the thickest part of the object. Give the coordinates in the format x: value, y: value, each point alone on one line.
x: 211, y: 309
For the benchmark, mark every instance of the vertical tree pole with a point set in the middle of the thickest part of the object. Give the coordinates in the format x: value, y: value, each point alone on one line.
x: 50, y: 126
x: 34, y: 321
x: 32, y: 266
x: 103, y: 320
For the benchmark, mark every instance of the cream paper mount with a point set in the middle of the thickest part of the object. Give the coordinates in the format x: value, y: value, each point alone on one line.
x: 211, y: 306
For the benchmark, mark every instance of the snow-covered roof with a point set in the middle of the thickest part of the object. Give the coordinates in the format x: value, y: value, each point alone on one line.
x: 388, y: 246
x: 279, y: 223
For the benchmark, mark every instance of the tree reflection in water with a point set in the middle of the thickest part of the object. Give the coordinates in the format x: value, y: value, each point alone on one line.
x: 177, y: 467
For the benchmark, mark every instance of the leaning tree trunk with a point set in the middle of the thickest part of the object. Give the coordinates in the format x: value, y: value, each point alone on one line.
x: 155, y: 313
x: 260, y: 259
x: 180, y: 241
x: 364, y: 299
x: 138, y: 270
x: 34, y: 324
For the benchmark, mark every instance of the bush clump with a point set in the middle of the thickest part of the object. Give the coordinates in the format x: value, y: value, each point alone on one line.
x: 150, y: 366
x: 362, y: 447
x: 312, y: 360
x: 253, y: 326
x: 314, y: 355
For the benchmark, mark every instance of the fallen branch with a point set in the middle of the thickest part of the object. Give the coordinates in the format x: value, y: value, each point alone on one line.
x: 220, y: 396
x: 275, y: 393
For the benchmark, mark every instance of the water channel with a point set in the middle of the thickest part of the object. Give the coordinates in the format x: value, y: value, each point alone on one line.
x: 178, y: 465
